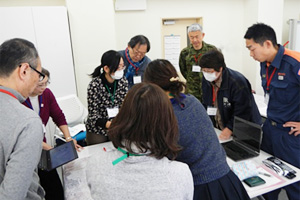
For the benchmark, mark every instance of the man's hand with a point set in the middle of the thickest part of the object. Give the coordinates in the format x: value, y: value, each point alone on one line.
x: 295, y: 127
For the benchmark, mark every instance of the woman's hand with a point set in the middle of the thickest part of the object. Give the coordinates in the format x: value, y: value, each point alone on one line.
x: 77, y: 146
x: 225, y: 134
x: 108, y: 123
x: 46, y: 146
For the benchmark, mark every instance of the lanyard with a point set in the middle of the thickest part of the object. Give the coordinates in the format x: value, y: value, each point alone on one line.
x: 133, y: 65
x: 112, y: 97
x: 196, y: 59
x: 7, y: 92
x: 40, y: 104
x: 126, y: 155
x: 267, y: 76
x: 214, y: 94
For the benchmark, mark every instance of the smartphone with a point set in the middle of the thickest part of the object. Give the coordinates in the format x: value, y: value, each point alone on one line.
x: 254, y: 181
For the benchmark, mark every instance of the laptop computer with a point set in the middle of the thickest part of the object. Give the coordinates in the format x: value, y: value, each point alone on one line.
x: 246, y: 140
x: 58, y: 156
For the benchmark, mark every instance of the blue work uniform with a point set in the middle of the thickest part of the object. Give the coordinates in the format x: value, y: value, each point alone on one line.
x: 283, y: 88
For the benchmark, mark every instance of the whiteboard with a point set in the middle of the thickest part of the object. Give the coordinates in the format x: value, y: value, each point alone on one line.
x: 172, y: 49
x: 294, y: 35
x: 48, y: 28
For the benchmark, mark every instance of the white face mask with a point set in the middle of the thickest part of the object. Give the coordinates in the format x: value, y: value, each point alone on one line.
x: 118, y: 74
x: 210, y: 76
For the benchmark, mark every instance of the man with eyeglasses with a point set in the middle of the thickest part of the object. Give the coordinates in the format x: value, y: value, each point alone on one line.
x: 189, y: 60
x: 135, y: 59
x: 21, y: 132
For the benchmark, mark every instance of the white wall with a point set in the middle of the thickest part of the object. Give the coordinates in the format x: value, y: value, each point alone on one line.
x: 218, y: 24
x: 92, y: 27
x: 250, y: 67
x: 260, y: 12
x: 291, y: 11
x: 95, y: 27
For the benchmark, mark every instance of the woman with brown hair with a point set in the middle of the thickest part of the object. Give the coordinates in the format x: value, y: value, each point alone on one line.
x: 143, y: 133
x: 201, y: 149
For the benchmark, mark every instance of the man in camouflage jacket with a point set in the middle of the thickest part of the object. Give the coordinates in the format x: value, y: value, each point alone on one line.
x: 189, y: 60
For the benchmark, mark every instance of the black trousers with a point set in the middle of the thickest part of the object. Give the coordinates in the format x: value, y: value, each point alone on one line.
x: 52, y: 185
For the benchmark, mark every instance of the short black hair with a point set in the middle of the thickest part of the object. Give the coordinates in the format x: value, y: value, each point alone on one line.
x: 213, y: 59
x: 261, y: 32
x: 15, y: 51
x: 139, y: 40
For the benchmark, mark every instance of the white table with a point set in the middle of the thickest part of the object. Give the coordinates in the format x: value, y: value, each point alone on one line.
x: 272, y: 183
x: 75, y: 182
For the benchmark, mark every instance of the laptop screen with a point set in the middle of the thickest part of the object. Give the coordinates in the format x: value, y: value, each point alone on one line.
x: 247, y: 133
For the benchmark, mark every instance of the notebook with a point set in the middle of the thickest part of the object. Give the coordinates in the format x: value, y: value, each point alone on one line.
x: 58, y: 156
x: 246, y: 140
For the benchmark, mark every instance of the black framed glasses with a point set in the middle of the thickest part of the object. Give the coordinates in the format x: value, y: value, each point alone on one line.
x: 41, y: 77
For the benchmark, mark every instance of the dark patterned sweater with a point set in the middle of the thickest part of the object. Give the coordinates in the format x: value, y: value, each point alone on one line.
x: 99, y: 100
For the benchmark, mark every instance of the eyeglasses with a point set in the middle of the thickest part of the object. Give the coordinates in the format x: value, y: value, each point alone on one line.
x: 41, y: 77
x: 137, y: 52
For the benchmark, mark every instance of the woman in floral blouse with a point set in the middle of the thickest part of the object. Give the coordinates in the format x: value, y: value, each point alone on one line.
x: 106, y: 93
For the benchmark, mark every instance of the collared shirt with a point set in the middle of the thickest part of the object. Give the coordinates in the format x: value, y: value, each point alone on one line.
x: 284, y: 88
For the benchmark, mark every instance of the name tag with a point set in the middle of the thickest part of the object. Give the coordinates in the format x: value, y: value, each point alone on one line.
x: 44, y: 129
x: 196, y: 68
x: 267, y: 97
x: 211, y: 111
x: 137, y: 79
x: 112, y: 112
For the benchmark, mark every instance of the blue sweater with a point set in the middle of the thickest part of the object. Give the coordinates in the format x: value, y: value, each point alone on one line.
x: 201, y: 148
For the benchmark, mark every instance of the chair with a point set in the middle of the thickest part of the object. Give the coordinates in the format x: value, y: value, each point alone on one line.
x: 75, y: 114
x: 74, y: 110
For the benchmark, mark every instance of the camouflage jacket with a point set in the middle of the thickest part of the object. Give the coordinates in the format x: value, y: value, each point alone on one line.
x: 188, y: 58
